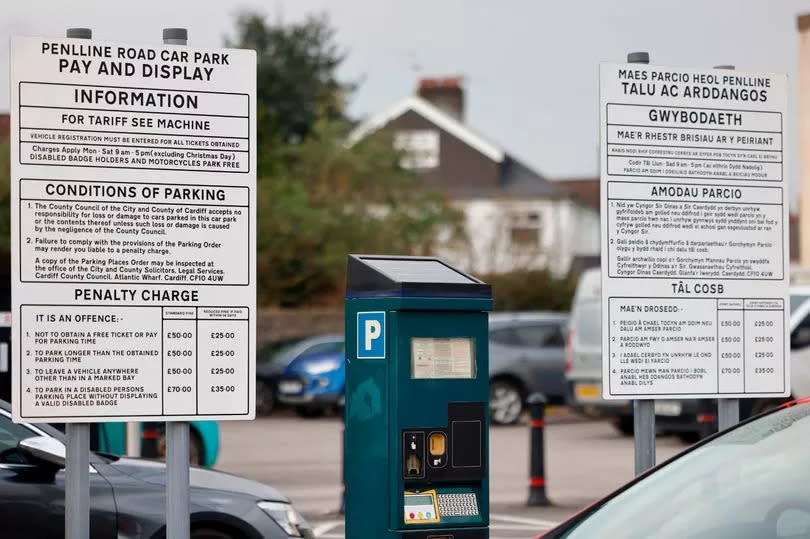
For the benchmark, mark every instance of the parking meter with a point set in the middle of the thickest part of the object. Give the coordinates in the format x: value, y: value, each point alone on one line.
x: 417, y: 394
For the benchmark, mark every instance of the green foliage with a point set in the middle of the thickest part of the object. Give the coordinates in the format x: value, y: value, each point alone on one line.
x: 332, y: 200
x: 296, y: 81
x: 318, y: 198
x: 532, y: 290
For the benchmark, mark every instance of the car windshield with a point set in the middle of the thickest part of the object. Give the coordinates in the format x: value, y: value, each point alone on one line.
x: 796, y: 300
x: 273, y: 352
x: 751, y: 483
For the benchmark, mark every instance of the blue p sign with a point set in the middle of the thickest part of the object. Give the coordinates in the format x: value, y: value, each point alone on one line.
x: 371, y: 335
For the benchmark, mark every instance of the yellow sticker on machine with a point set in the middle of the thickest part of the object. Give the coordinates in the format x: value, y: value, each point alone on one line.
x: 420, y: 507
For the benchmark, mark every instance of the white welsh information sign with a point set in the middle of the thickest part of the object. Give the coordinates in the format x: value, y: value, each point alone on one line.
x: 133, y: 230
x: 694, y: 233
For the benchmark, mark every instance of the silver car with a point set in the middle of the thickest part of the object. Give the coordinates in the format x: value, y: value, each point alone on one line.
x: 526, y: 355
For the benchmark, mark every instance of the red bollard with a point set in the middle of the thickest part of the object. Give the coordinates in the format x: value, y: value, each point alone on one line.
x: 537, y: 451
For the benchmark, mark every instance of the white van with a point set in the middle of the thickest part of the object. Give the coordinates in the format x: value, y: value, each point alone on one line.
x: 583, y: 361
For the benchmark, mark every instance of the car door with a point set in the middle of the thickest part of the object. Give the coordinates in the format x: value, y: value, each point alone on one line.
x: 32, y: 506
x: 542, y: 355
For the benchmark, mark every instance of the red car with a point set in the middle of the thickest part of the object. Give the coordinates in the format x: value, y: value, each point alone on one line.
x: 749, y: 482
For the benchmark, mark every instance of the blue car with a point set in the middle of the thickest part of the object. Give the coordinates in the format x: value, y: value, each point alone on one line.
x: 315, y: 381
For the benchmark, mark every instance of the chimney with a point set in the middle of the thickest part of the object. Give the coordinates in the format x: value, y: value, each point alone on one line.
x: 445, y: 93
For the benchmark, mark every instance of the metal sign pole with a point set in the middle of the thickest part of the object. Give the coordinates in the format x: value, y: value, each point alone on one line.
x: 178, y: 524
x: 643, y: 410
x: 728, y: 410
x: 77, y: 456
x: 77, y: 481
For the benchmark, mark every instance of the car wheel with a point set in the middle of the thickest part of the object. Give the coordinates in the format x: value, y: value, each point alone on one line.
x: 308, y: 412
x: 505, y: 402
x: 265, y: 399
x: 195, y: 448
x: 624, y: 424
x: 208, y: 533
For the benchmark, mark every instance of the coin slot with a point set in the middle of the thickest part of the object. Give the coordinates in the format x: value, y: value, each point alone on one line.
x: 438, y: 444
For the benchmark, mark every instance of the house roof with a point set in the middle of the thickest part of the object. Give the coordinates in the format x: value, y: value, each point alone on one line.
x: 435, y: 116
x: 515, y: 179
x: 585, y: 189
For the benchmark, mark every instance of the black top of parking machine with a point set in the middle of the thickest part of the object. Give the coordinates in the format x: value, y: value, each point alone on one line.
x: 410, y: 276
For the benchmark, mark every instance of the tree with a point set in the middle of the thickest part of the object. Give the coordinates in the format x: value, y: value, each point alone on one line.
x: 296, y: 80
x: 318, y: 198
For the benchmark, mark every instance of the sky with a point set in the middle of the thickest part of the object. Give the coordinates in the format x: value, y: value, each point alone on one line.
x: 530, y: 66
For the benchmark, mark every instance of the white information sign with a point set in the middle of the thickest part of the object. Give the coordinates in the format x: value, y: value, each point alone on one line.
x: 694, y: 233
x: 133, y: 225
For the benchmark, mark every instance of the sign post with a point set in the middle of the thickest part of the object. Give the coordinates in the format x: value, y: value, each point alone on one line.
x: 728, y: 410
x: 694, y: 235
x: 643, y: 410
x: 77, y: 452
x: 133, y: 243
x: 177, y: 435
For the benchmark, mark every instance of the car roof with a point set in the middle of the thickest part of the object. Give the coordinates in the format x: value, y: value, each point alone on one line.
x: 527, y: 316
x: 325, y: 337
x: 800, y: 289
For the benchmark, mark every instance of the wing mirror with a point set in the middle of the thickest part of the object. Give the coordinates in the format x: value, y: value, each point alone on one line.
x: 44, y: 450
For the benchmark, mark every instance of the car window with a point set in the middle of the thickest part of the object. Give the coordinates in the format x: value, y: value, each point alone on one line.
x: 539, y: 335
x: 10, y: 435
x: 796, y: 300
x: 530, y: 335
x: 556, y: 339
x: 505, y: 336
x: 800, y: 337
x: 750, y: 483
x: 272, y: 351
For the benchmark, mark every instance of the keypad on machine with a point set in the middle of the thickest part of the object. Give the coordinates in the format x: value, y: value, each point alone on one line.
x: 458, y: 505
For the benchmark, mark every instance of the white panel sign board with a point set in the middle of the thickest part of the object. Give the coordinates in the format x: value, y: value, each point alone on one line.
x: 694, y: 233
x: 133, y: 231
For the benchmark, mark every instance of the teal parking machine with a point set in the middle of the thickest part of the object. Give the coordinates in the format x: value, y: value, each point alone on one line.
x: 417, y: 394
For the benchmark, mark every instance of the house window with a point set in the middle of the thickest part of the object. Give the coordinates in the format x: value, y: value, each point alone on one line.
x: 421, y: 148
x: 525, y: 229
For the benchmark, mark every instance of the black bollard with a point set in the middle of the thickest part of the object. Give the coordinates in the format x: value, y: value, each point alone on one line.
x: 537, y: 449
x: 150, y: 437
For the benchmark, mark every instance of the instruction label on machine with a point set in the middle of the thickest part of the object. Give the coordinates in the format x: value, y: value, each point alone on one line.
x: 442, y: 358
x: 694, y: 233
x: 133, y: 228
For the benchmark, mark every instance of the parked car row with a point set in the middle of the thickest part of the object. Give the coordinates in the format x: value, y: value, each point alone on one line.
x: 529, y: 352
x: 526, y: 355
